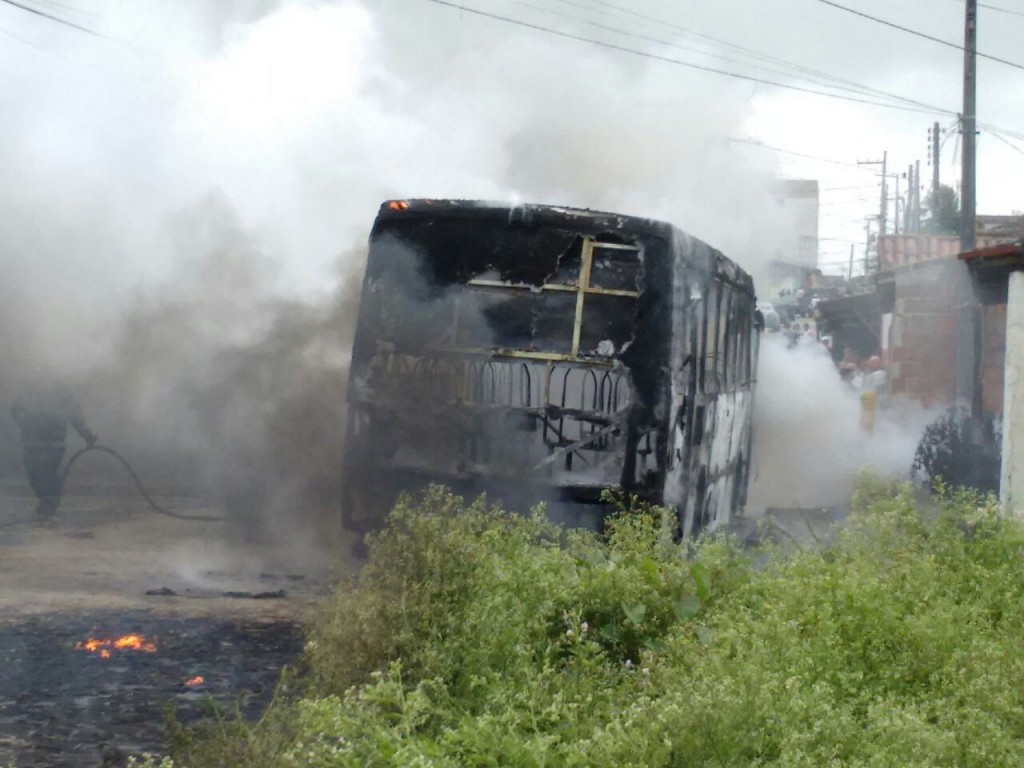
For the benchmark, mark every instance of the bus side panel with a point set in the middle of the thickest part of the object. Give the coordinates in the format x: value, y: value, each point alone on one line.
x: 689, y: 277
x: 714, y: 344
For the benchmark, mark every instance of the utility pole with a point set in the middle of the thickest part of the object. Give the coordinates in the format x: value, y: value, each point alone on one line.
x: 968, y: 346
x: 867, y: 246
x: 885, y: 195
x: 968, y: 127
x: 917, y: 196
x: 896, y: 224
x: 936, y: 151
x: 849, y: 274
x: 883, y: 208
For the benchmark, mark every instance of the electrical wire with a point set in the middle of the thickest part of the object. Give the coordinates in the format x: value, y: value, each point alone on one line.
x: 992, y: 8
x: 1007, y: 142
x: 758, y: 55
x: 817, y: 73
x: 785, y: 68
x: 916, y: 33
x: 51, y: 17
x: 690, y: 65
x: 817, y: 158
x: 1000, y: 10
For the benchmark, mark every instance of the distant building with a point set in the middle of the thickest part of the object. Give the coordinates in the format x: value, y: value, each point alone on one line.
x: 799, y: 201
x: 796, y: 256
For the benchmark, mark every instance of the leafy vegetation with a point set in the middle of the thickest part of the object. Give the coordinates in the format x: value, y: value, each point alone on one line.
x: 951, y: 451
x: 475, y: 638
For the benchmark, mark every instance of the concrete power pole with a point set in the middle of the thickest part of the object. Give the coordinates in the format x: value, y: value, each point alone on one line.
x: 896, y: 223
x: 968, y: 127
x: 884, y: 209
x: 936, y: 151
x: 968, y: 346
x: 917, y: 196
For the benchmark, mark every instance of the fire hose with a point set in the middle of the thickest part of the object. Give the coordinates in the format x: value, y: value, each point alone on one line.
x: 138, y: 484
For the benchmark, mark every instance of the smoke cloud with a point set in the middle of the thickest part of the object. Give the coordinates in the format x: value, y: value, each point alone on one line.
x: 809, y: 445
x: 187, y: 201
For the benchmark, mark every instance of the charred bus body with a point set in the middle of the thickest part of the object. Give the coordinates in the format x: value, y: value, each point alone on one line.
x: 547, y: 354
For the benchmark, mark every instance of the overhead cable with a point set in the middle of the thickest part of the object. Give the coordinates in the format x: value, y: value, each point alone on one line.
x: 788, y: 69
x: 760, y: 55
x: 51, y: 17
x: 916, y: 33
x: 689, y: 65
x: 754, y: 143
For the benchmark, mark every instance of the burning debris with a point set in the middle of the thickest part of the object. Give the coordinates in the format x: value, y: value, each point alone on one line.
x: 104, y: 647
x: 60, y: 707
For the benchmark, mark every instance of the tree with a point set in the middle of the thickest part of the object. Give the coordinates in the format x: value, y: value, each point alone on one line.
x: 943, y: 208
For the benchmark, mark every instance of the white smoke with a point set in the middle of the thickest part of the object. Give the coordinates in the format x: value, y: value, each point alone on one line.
x: 809, y: 444
x: 185, y: 200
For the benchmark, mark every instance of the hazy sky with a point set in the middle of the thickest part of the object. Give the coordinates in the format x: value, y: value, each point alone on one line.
x: 304, y: 115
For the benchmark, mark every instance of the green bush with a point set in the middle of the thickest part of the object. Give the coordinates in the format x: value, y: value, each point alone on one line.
x: 477, y: 638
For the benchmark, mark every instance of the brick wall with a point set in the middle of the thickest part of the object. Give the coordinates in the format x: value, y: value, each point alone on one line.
x: 993, y: 357
x: 922, y: 340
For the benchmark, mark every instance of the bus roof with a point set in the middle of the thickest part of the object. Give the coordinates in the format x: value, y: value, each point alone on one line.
x: 586, y: 220
x: 524, y: 213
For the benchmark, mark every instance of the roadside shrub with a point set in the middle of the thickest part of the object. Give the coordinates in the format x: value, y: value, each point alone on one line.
x: 474, y: 637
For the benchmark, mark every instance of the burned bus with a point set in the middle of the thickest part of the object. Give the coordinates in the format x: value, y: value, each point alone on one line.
x: 546, y: 354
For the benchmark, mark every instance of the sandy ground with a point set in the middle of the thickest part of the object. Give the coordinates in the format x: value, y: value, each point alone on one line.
x: 108, y: 549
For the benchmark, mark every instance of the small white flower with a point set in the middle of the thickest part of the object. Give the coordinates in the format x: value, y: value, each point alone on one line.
x: 645, y: 672
x: 584, y: 627
x: 629, y: 663
x: 569, y: 633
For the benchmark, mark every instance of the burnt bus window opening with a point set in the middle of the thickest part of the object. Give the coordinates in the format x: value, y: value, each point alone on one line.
x: 725, y: 330
x: 590, y: 310
x: 435, y: 294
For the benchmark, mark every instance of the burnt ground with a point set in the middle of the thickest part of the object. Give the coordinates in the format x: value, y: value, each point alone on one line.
x: 218, y: 600
x: 67, y: 707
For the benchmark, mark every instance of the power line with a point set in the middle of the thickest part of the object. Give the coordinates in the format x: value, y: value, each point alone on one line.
x: 910, y: 31
x: 786, y: 68
x: 51, y: 17
x: 850, y: 84
x: 817, y: 73
x: 690, y: 65
x: 993, y: 8
x: 1007, y: 142
x: 1001, y: 10
x: 799, y: 154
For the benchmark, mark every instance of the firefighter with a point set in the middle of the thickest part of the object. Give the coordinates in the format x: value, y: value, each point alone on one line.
x: 42, y: 413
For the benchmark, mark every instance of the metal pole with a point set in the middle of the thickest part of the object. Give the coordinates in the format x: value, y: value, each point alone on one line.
x: 884, y: 208
x: 935, y: 159
x: 968, y: 125
x: 916, y: 196
x: 968, y: 363
x: 896, y: 224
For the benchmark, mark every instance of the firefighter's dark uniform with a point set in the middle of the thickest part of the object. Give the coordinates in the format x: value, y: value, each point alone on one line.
x: 43, y: 415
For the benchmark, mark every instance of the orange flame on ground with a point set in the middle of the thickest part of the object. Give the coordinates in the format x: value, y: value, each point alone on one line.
x: 103, y: 646
x: 197, y: 680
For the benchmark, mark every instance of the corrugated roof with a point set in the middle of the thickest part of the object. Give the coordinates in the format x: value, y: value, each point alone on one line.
x: 998, y: 251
